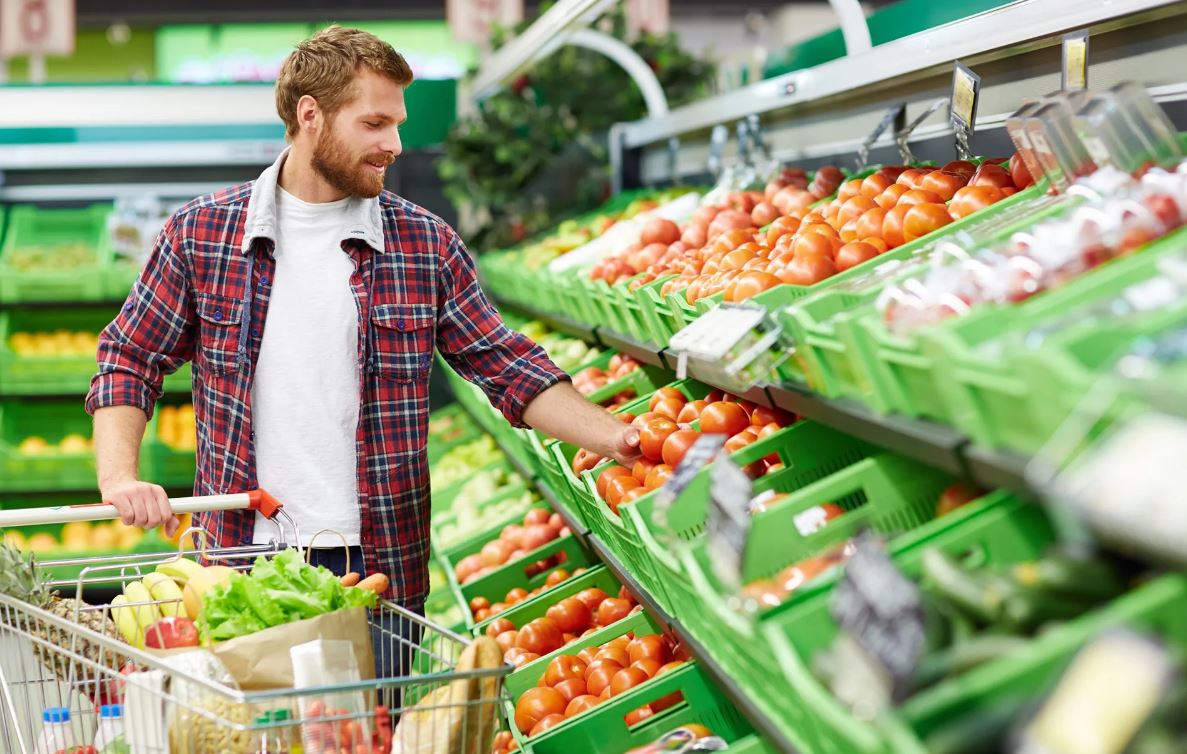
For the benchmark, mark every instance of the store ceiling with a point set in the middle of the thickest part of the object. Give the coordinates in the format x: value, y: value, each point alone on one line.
x: 137, y: 12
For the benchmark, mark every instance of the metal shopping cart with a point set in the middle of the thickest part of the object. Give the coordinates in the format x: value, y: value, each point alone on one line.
x: 63, y: 660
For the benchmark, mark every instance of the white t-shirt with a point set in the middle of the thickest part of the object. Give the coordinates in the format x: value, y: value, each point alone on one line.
x: 305, y: 399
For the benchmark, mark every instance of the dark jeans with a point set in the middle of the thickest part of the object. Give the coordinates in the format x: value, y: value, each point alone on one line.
x: 394, y: 637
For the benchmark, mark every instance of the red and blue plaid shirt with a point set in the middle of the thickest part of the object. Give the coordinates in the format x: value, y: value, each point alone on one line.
x: 416, y: 283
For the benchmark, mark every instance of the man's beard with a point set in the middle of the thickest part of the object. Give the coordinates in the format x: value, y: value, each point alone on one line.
x: 338, y: 166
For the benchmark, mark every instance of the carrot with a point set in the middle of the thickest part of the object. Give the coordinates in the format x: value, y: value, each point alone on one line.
x: 350, y: 579
x: 376, y: 582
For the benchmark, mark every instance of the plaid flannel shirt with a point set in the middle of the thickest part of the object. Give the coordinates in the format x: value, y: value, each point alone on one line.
x: 203, y: 297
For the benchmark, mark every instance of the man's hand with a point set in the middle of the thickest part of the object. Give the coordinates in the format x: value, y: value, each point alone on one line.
x: 626, y: 446
x: 141, y: 504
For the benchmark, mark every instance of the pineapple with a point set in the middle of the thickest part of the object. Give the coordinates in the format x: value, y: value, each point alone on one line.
x: 21, y: 578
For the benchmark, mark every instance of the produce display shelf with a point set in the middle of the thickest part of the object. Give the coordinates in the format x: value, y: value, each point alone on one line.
x: 644, y: 352
x: 999, y: 468
x: 759, y: 718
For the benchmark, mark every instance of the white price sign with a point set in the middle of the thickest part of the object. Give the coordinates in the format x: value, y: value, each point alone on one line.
x: 36, y: 27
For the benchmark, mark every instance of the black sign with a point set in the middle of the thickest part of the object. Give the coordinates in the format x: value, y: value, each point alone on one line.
x: 702, y: 452
x: 882, y: 611
x: 727, y: 525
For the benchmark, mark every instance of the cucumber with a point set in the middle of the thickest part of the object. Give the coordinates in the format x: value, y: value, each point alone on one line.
x: 979, y: 594
x: 1027, y: 609
x: 1060, y: 572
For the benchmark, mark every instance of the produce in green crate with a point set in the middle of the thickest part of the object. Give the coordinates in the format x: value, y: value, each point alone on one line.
x: 515, y: 541
x: 462, y: 461
x: 481, y: 608
x: 592, y: 379
x: 177, y: 427
x: 78, y: 537
x: 471, y: 511
x: 565, y: 622
x: 57, y: 344
x: 567, y: 352
x: 681, y: 741
x: 36, y: 258
x: 73, y: 443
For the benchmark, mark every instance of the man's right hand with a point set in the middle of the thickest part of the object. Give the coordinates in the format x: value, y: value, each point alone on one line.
x: 141, y: 504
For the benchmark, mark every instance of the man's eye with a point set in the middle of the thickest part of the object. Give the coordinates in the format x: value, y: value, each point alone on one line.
x: 372, y: 125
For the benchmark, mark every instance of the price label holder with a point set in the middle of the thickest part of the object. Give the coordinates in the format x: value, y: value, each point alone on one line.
x: 1085, y: 712
x: 1075, y: 61
x: 766, y: 166
x: 896, y: 116
x: 904, y: 134
x: 881, y: 615
x: 732, y: 346
x: 966, y: 94
x: 717, y: 140
x: 700, y: 455
x: 673, y: 160
x: 727, y: 525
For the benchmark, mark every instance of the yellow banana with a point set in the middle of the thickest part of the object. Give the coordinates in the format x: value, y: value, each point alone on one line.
x: 125, y: 621
x: 146, y: 614
x: 180, y: 570
x: 167, y: 594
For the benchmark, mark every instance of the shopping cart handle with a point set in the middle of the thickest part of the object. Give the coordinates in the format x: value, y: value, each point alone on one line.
x: 256, y: 500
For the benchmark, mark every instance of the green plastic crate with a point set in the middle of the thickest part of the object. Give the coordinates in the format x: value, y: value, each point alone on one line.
x: 29, y: 226
x: 163, y: 464
x: 986, y: 396
x: 514, y: 514
x: 50, y: 469
x: 643, y: 381
x: 442, y: 500
x: 49, y: 375
x: 1005, y: 534
x: 653, y: 308
x: 462, y: 430
x: 536, y: 607
x: 809, y: 451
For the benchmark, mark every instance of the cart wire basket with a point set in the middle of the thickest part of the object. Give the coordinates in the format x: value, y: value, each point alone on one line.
x: 66, y: 672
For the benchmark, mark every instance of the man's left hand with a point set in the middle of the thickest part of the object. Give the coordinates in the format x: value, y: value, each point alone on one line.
x: 626, y: 446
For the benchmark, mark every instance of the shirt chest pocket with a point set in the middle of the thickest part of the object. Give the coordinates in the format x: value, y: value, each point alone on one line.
x: 219, y: 327
x: 402, y: 340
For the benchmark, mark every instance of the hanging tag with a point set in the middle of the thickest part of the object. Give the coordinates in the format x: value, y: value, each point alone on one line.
x: 700, y: 455
x: 966, y: 91
x: 1075, y: 61
x: 893, y: 116
x: 717, y: 141
x: 710, y: 336
x: 881, y: 612
x: 727, y: 525
x: 904, y: 134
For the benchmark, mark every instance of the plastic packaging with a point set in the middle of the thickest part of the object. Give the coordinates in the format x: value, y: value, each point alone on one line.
x: 56, y: 731
x: 110, y: 737
x: 1057, y: 146
x: 1124, y: 127
x: 274, y: 737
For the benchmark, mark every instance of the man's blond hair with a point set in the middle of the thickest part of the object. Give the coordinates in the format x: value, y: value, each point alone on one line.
x: 324, y: 67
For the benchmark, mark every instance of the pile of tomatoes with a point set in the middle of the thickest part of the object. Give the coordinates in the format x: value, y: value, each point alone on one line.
x: 573, y: 684
x: 539, y: 527
x: 481, y: 608
x: 564, y: 623
x: 666, y: 433
x: 592, y: 379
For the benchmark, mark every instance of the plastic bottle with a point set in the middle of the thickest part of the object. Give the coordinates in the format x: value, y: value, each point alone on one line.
x: 56, y: 733
x: 110, y: 738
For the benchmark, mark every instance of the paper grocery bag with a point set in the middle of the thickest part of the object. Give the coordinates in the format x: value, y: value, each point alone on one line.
x: 261, y: 660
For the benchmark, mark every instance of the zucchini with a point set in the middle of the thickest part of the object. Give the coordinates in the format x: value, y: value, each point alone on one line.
x: 979, y: 594
x: 1087, y: 578
x: 1027, y: 609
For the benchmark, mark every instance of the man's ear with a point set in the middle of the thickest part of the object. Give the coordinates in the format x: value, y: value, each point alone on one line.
x: 309, y: 114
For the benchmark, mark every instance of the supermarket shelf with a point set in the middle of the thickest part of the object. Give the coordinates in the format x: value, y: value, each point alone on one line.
x: 999, y: 468
x: 726, y: 683
x: 644, y: 352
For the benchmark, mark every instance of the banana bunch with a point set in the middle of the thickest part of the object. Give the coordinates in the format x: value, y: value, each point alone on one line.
x: 157, y: 595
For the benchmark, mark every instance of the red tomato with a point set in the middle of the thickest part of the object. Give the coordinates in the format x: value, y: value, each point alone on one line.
x: 535, y: 704
x: 563, y: 668
x: 824, y: 229
x: 892, y: 226
x: 815, y: 244
x: 993, y: 175
x: 919, y: 196
x: 611, y: 611
x: 665, y: 702
x: 636, y: 716
x: 923, y: 219
x: 650, y: 667
x: 855, y: 208
x: 781, y: 227
x: 877, y: 243
x: 678, y: 444
x: 618, y: 487
x: 556, y: 577
x: 658, y: 476
x: 874, y: 185
x: 498, y: 626
x: 962, y: 168
x: 762, y: 416
x: 607, y: 475
x: 724, y: 418
x: 853, y: 254
x: 943, y: 183
x: 890, y: 196
x: 911, y: 177
x: 548, y: 722
x: 641, y: 469
x: 664, y: 393
x: 972, y: 199
x: 849, y: 189
x: 571, y: 689
x: 614, y: 653
x: 1019, y: 173
x: 669, y: 407
x: 691, y: 411
x: 750, y: 284
x: 588, y: 655
x: 870, y: 223
x: 626, y: 679
x: 570, y: 615
x: 598, y: 678
x: 740, y: 440
x: 540, y: 637
x: 580, y: 704
x: 653, y: 435
x: 649, y: 647
x: 506, y: 640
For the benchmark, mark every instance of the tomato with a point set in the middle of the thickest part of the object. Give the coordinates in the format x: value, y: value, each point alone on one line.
x: 570, y: 615
x: 598, y: 678
x: 588, y: 655
x: 781, y: 227
x: 537, y: 703
x: 993, y: 175
x: 1019, y: 173
x: 636, y: 716
x: 972, y: 199
x: 641, y: 468
x: 506, y: 640
x: 591, y: 597
x: 607, y: 475
x: 849, y: 188
x: 580, y: 704
x: 875, y: 184
x: 923, y: 219
x: 869, y: 224
x: 671, y: 666
x: 691, y: 411
x: 482, y: 614
x: 955, y: 496
x: 629, y: 496
x: 658, y: 476
x: 626, y: 679
x: 669, y: 407
x: 540, y: 636
x: 911, y: 177
x: 678, y: 444
x: 612, y: 610
x: 649, y: 647
x: 724, y: 418
x: 739, y: 441
x: 614, y: 653
x: 548, y: 722
x: 853, y: 254
x: 855, y: 208
x: 815, y: 244
x: 563, y: 668
x: 824, y: 229
x: 664, y: 393
x: 650, y: 667
x: 890, y: 196
x: 516, y: 595
x: 619, y: 486
x: 892, y: 226
x: 556, y: 577
x: 943, y: 183
x: 653, y: 435
x: 962, y: 168
x: 877, y: 243
x: 520, y: 657
x: 762, y: 416
x: 498, y: 626
x: 919, y: 196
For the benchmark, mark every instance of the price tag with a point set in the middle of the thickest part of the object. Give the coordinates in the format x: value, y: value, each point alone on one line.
x: 711, y: 336
x: 1075, y: 61
x: 966, y: 92
x: 702, y: 452
x: 895, y: 115
x: 727, y: 525
x: 882, y: 612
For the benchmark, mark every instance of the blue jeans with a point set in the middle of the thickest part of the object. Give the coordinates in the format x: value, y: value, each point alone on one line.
x: 393, y: 637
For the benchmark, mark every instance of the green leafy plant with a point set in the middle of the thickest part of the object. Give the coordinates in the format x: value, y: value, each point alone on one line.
x: 537, y: 151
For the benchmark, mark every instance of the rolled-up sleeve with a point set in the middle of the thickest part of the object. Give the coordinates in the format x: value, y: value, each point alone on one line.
x: 509, y: 367
x: 151, y: 337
